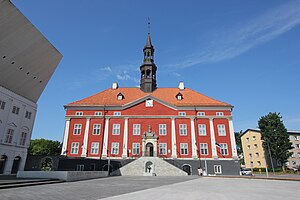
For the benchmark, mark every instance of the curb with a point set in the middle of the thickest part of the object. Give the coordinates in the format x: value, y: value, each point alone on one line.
x: 259, y: 178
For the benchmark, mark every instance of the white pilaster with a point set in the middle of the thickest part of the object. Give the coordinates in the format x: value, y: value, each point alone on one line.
x: 193, y: 145
x: 125, y: 139
x: 212, y: 138
x: 66, y: 135
x: 85, y: 138
x: 173, y: 132
x: 232, y: 138
x: 105, y: 138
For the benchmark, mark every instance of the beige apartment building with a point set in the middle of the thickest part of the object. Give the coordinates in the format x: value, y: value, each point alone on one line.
x: 255, y: 156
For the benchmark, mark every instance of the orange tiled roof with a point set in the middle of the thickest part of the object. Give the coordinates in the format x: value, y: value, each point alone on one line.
x: 109, y: 97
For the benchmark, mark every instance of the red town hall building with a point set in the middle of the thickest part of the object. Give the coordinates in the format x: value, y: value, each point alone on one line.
x: 179, y: 125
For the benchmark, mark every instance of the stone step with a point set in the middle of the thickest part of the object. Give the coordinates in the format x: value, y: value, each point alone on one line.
x: 149, y: 166
x: 29, y: 183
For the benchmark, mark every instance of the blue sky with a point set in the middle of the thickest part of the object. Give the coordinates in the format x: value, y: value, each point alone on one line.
x: 245, y: 53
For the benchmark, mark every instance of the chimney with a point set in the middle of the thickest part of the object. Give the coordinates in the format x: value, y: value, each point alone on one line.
x: 114, y: 86
x: 181, y: 85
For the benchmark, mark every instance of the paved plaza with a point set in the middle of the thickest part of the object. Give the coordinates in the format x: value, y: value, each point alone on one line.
x: 140, y: 188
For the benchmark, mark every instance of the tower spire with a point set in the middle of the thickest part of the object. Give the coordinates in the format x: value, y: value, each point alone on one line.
x: 148, y: 68
x: 148, y: 25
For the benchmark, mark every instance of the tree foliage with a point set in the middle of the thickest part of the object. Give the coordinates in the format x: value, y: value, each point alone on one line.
x: 238, y: 142
x: 275, y: 135
x: 44, y: 147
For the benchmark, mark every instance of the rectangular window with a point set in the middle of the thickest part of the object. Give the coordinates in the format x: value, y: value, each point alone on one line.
x: 224, y: 149
x: 79, y: 167
x: 202, y: 129
x: 247, y: 139
x: 254, y: 138
x: 218, y: 169
x: 2, y: 105
x: 77, y: 129
x: 199, y: 114
x: 183, y: 148
x: 296, y: 137
x: 182, y: 114
x: 23, y: 139
x: 163, y: 148
x: 28, y: 115
x: 15, y: 110
x: 221, y: 130
x: 255, y: 146
x: 250, y: 155
x: 95, y: 148
x: 79, y: 113
x: 136, y: 129
x: 219, y: 114
x: 257, y: 155
x: 96, y: 129
x: 258, y: 163
x: 74, y: 147
x: 136, y: 148
x: 115, y: 148
x: 117, y: 113
x: 182, y: 129
x: 248, y: 147
x: 297, y: 146
x: 162, y: 129
x: 203, y: 149
x: 98, y: 114
x: 9, y: 136
x: 116, y: 129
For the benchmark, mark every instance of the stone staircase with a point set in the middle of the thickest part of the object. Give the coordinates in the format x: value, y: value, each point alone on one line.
x: 149, y: 166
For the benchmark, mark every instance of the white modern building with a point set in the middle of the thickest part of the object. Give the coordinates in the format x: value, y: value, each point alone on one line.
x: 27, y: 62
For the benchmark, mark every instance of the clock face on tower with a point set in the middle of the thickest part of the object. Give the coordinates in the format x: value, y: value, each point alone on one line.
x: 149, y: 103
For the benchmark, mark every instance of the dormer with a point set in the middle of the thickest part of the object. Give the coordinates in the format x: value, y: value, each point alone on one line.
x: 179, y: 96
x: 120, y: 96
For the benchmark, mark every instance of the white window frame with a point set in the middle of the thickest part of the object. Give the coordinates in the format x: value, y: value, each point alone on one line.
x: 136, y: 147
x: 200, y: 114
x: 96, y: 129
x: 115, y: 148
x: 77, y: 129
x: 95, y: 148
x: 184, y: 149
x: 182, y: 114
x: 202, y: 129
x: 218, y: 169
x: 136, y: 129
x: 257, y: 155
x: 74, y: 148
x: 221, y: 130
x: 2, y: 105
x: 117, y: 113
x: 162, y: 129
x: 80, y: 167
x: 203, y: 148
x: 219, y: 114
x: 98, y: 113
x: 116, y: 129
x: 79, y: 113
x: 163, y: 148
x: 224, y: 149
x: 23, y: 138
x: 182, y: 129
x: 254, y: 138
x: 9, y: 136
x: 255, y: 146
x: 15, y: 110
x: 27, y: 115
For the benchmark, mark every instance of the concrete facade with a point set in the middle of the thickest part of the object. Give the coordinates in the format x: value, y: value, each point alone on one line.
x: 27, y: 62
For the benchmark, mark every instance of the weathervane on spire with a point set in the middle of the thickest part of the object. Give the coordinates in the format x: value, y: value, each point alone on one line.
x: 149, y: 25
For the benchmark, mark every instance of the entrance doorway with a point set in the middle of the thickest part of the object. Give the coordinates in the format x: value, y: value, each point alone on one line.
x: 3, y: 159
x: 149, y: 149
x: 187, y: 168
x: 16, y: 164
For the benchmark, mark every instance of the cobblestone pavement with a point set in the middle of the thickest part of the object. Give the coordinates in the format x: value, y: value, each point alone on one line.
x: 139, y: 188
x: 90, y: 189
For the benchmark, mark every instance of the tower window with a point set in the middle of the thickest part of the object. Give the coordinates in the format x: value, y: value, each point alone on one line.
x: 179, y: 96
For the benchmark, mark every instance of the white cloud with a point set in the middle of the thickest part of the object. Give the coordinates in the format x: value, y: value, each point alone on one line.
x: 108, y: 69
x: 252, y: 33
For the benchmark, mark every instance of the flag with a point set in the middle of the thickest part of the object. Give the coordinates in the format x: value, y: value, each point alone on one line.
x: 218, y: 145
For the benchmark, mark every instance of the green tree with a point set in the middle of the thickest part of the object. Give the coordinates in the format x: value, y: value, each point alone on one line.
x: 239, y: 145
x: 275, y: 137
x: 44, y: 147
